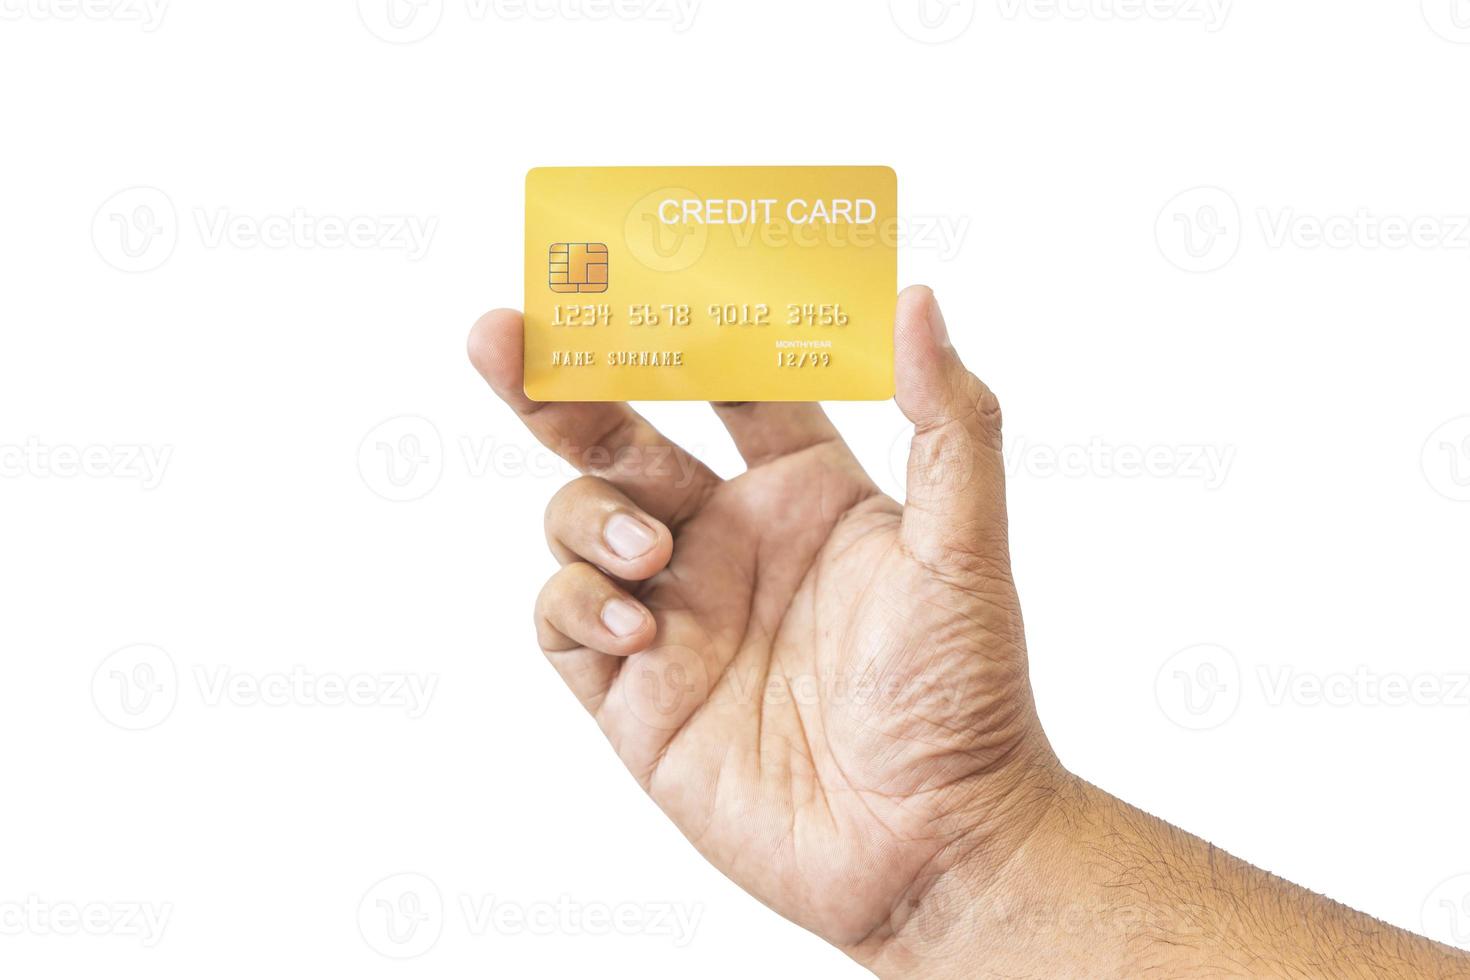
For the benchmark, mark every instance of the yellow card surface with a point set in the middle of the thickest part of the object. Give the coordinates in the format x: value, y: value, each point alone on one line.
x: 710, y: 283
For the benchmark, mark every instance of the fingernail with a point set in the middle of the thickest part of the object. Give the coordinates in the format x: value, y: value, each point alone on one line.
x: 629, y: 538
x: 621, y: 617
x: 937, y: 324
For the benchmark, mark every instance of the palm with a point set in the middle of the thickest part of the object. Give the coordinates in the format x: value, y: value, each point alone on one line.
x: 828, y: 685
x: 796, y: 716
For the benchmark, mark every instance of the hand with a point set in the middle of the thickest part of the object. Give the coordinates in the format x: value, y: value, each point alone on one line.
x: 826, y: 691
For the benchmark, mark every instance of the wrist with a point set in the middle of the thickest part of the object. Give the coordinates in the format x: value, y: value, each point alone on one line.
x: 982, y: 900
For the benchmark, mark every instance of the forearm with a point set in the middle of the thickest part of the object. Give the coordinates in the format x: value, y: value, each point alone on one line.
x: 1101, y: 889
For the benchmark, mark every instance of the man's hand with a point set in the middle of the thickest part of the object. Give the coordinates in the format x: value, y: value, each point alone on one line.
x: 827, y: 692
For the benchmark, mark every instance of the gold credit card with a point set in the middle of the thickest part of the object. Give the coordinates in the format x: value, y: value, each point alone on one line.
x: 710, y: 283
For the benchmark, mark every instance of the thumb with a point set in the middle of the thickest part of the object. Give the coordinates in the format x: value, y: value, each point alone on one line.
x: 955, y: 514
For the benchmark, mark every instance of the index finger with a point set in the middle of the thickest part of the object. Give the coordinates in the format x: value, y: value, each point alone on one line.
x: 605, y: 439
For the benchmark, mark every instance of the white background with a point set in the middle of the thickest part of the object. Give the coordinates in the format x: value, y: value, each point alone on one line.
x: 291, y: 393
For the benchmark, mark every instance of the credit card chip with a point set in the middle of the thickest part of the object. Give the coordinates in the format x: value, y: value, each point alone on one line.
x: 578, y: 267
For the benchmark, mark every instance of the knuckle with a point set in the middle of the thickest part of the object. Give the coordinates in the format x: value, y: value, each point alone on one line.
x: 581, y: 578
x: 984, y: 408
x: 945, y: 459
x: 560, y: 592
x: 540, y: 617
x: 546, y: 598
x: 565, y: 501
x: 562, y: 582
